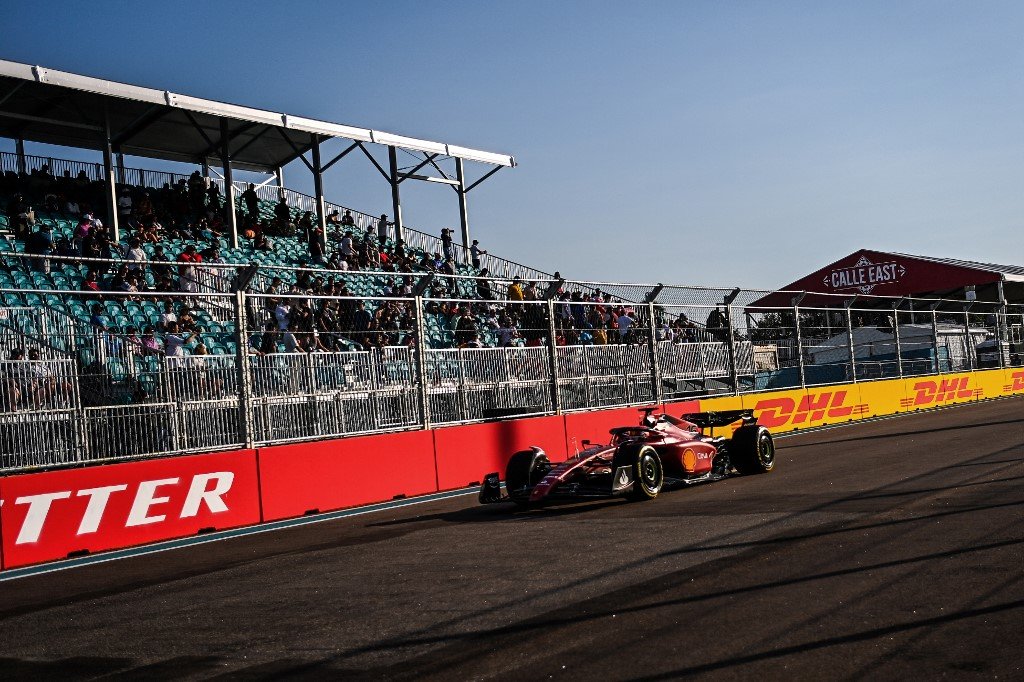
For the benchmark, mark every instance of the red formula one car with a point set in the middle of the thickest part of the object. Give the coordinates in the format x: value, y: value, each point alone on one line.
x: 640, y: 460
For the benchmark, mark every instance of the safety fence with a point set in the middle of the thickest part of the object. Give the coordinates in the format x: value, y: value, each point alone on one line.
x: 68, y: 512
x: 101, y: 376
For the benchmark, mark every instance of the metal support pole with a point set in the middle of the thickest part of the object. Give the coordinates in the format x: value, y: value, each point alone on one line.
x: 246, y: 423
x: 463, y: 207
x: 935, y: 339
x: 849, y: 341
x: 19, y: 148
x: 1001, y: 324
x: 230, y: 216
x: 421, y: 364
x: 896, y: 338
x: 279, y: 175
x: 734, y: 374
x: 396, y: 199
x: 120, y: 166
x: 655, y: 360
x: 111, y: 190
x: 799, y: 344
x: 318, y: 187
x: 205, y: 166
x: 969, y: 350
x: 556, y: 395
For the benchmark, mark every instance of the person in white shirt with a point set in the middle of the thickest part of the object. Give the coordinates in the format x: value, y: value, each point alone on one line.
x: 281, y: 313
x: 382, y: 229
x: 167, y: 317
x: 175, y: 341
x: 624, y: 322
x: 135, y: 255
x: 347, y: 247
x: 124, y: 205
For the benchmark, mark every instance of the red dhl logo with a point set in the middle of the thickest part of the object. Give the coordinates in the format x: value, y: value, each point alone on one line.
x: 775, y: 412
x: 1018, y: 383
x: 938, y: 392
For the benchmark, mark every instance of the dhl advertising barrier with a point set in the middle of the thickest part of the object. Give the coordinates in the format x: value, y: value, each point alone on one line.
x: 51, y: 515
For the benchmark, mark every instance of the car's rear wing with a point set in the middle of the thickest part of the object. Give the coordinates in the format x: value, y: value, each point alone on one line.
x: 721, y: 418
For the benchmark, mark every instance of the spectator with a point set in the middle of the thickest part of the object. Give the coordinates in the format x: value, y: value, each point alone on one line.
x: 135, y: 255
x: 91, y: 283
x: 333, y: 218
x: 347, y: 246
x: 515, y: 290
x: 175, y: 341
x: 150, y: 344
x: 252, y: 202
x: 188, y: 261
x: 40, y: 243
x: 382, y: 229
x: 124, y: 206
x: 159, y: 259
x: 282, y: 214
x: 624, y: 323
x: 475, y: 252
x: 465, y: 326
x: 447, y: 246
x: 20, y: 216
x: 348, y: 219
x: 483, y: 286
x: 167, y: 317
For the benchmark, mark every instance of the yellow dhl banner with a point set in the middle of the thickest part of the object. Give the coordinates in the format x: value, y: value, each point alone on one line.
x: 794, y: 409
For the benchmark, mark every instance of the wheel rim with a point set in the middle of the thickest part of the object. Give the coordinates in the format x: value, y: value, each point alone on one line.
x: 767, y: 451
x: 649, y: 473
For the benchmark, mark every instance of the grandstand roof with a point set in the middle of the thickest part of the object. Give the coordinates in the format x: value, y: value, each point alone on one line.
x: 58, y: 107
x: 879, y: 273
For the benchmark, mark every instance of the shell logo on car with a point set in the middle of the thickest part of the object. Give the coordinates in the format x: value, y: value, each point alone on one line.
x: 937, y: 392
x: 813, y: 407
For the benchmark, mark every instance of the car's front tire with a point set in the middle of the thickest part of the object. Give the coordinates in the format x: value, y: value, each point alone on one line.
x: 645, y: 464
x: 524, y: 470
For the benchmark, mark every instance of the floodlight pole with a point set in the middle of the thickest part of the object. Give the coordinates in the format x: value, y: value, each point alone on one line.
x: 318, y: 188
x: 108, y: 169
x: 19, y: 147
x: 396, y: 199
x: 230, y: 215
x: 460, y: 175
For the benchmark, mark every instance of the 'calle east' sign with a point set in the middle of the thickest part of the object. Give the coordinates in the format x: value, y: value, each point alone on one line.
x: 864, y: 275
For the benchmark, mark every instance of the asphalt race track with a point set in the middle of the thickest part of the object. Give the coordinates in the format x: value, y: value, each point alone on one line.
x: 886, y: 550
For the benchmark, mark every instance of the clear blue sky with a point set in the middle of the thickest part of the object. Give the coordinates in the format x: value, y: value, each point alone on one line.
x: 738, y: 143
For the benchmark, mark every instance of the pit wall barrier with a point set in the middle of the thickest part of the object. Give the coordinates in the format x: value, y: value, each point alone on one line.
x: 53, y: 515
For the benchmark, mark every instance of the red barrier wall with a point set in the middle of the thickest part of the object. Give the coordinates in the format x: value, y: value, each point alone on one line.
x: 466, y: 453
x: 48, y: 515
x: 326, y: 475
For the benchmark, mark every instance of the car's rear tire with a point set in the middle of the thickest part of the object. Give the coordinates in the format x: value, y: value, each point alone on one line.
x: 524, y: 470
x: 752, y: 450
x: 648, y: 473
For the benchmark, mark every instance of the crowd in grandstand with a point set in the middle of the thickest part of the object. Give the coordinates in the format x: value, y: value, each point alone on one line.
x: 316, y: 312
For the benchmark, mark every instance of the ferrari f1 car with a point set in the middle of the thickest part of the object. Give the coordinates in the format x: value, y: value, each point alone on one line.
x: 640, y: 461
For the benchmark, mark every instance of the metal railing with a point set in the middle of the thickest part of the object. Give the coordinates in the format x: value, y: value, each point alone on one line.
x: 97, y: 392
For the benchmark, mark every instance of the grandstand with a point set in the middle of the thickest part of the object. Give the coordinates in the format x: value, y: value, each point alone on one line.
x: 274, y: 317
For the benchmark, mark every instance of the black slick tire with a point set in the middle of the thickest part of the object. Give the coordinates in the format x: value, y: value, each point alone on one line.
x: 648, y: 473
x: 752, y: 450
x: 524, y: 470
